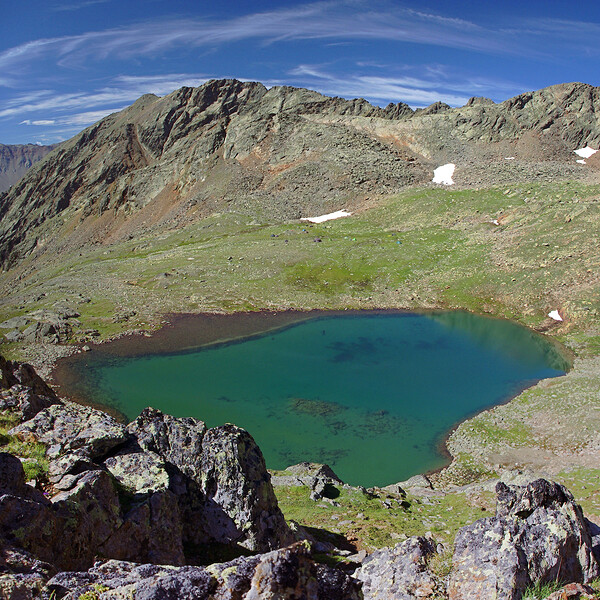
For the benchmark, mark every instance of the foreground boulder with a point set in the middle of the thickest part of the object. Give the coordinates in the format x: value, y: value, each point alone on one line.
x: 240, y: 502
x: 289, y: 573
x: 71, y: 427
x: 137, y: 493
x: 538, y: 535
x: 400, y: 573
x: 22, y: 390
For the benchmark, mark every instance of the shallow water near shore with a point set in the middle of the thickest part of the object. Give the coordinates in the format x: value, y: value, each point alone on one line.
x: 372, y: 395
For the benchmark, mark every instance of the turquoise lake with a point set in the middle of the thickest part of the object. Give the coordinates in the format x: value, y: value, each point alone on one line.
x: 371, y: 395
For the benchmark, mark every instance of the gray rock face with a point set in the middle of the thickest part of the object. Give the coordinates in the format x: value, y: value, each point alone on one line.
x: 400, y: 573
x: 22, y: 576
x: 12, y: 479
x: 151, y: 531
x: 24, y: 401
x: 240, y: 503
x: 139, y: 472
x: 178, y: 441
x: 16, y: 160
x: 12, y: 373
x: 136, y: 493
x: 66, y: 427
x: 288, y: 574
x: 538, y: 535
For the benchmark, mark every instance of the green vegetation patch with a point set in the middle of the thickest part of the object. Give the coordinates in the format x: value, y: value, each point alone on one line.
x: 31, y: 453
x: 374, y: 521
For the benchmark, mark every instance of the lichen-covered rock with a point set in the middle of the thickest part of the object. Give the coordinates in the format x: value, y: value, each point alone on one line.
x: 70, y: 426
x: 574, y: 591
x: 64, y: 470
x: 141, y: 473
x: 13, y: 373
x: 89, y: 514
x: 29, y: 525
x: 400, y: 573
x: 538, y: 535
x: 285, y: 574
x: 151, y: 531
x: 22, y: 576
x: 240, y: 503
x: 177, y: 440
x: 21, y: 586
x: 12, y: 476
x: 24, y: 401
x: 321, y: 479
x: 306, y: 473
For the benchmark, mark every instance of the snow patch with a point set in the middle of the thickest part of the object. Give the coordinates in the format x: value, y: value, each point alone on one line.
x: 444, y: 174
x: 334, y: 215
x: 554, y: 314
x: 581, y: 161
x: 585, y: 152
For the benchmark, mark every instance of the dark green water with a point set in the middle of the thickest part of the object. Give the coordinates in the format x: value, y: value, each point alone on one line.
x: 370, y: 395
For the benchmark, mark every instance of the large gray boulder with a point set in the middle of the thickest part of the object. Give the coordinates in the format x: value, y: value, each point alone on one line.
x: 219, y: 475
x: 22, y: 576
x: 240, y: 505
x: 12, y: 373
x: 151, y: 531
x: 68, y: 427
x: 538, y: 535
x: 288, y: 573
x: 400, y: 573
x: 23, y: 401
x: 177, y: 440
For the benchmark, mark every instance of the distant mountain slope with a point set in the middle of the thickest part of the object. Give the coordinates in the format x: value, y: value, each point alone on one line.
x: 276, y: 154
x: 16, y: 160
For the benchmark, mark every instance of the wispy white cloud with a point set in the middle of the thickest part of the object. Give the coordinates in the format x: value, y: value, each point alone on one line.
x: 40, y: 122
x: 417, y: 92
x: 333, y: 21
x: 77, y: 5
x: 122, y: 91
x: 435, y: 84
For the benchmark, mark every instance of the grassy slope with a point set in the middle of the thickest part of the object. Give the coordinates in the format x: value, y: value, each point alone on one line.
x: 429, y: 247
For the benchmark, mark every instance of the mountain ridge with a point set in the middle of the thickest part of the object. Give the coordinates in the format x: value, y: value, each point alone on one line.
x: 17, y: 159
x: 284, y: 152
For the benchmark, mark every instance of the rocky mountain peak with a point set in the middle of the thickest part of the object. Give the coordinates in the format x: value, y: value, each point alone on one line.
x: 287, y: 152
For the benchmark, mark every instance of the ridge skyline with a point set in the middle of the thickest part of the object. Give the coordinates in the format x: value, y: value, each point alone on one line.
x: 80, y: 60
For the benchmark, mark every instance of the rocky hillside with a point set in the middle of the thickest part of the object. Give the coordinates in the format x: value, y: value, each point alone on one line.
x: 150, y: 510
x: 16, y: 160
x: 277, y: 154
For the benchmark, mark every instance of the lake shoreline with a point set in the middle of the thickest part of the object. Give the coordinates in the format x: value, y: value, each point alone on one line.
x: 207, y: 329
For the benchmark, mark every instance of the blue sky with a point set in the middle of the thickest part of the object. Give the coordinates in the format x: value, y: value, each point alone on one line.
x: 64, y: 64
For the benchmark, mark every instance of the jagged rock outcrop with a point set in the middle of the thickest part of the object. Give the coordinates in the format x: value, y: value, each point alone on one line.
x: 16, y: 160
x: 66, y: 428
x: 239, y: 497
x: 22, y: 390
x: 289, y: 573
x: 400, y: 573
x: 538, y: 535
x: 140, y: 492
